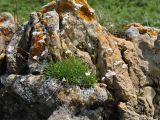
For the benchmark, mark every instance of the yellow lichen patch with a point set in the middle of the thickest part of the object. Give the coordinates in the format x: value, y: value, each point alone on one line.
x: 48, y: 7
x: 64, y: 6
x: 122, y: 106
x: 83, y: 3
x: 153, y: 32
x: 6, y: 31
x: 134, y: 25
x: 61, y: 95
x: 80, y: 7
x: 68, y: 96
x: 2, y: 19
x: 84, y: 11
x: 85, y: 14
x: 141, y: 29
x: 39, y: 40
x: 36, y: 51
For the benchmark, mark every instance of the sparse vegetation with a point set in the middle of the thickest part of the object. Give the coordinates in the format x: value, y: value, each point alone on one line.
x: 21, y: 8
x: 121, y: 12
x: 72, y: 70
x: 115, y: 12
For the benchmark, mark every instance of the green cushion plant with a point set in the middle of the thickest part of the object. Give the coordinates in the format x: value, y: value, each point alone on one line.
x: 71, y: 69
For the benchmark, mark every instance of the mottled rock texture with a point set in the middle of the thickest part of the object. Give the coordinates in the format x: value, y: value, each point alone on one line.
x: 7, y: 29
x: 127, y: 69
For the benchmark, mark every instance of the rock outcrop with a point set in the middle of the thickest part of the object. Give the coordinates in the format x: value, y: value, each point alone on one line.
x: 7, y: 29
x: 127, y: 68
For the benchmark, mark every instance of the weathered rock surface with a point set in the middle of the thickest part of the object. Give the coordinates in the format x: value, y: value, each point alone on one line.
x: 7, y: 28
x: 128, y: 69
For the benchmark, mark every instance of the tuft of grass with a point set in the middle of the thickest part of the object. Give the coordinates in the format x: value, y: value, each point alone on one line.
x: 72, y: 70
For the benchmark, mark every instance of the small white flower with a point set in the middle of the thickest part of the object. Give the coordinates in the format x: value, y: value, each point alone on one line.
x: 104, y: 47
x: 48, y: 16
x: 88, y: 73
x: 35, y: 57
x: 6, y: 24
x: 110, y: 74
x: 103, y: 78
x: 110, y: 50
x: 92, y: 10
x: 10, y: 48
x: 35, y: 33
x: 44, y: 37
x: 64, y: 80
x: 70, y: 89
x: 76, y: 8
x: 36, y: 20
x: 78, y: 5
x: 64, y: 20
x: 22, y: 79
x: 44, y: 31
x: 68, y: 52
x: 89, y: 45
x: 124, y: 66
x: 117, y: 62
x: 66, y: 17
x: 43, y: 53
x: 41, y: 41
x: 116, y: 43
x: 62, y: 32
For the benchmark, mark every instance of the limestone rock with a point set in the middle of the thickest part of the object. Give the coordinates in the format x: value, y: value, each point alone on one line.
x: 128, y: 113
x: 2, y: 54
x: 7, y: 28
x: 153, y: 32
x: 149, y: 93
x: 83, y: 96
x: 17, y: 63
x: 124, y: 67
x: 64, y: 114
x: 131, y: 33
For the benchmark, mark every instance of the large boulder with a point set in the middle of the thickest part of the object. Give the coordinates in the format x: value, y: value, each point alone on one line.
x: 127, y: 68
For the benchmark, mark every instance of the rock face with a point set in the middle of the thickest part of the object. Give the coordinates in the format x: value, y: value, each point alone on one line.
x: 7, y: 28
x: 127, y: 68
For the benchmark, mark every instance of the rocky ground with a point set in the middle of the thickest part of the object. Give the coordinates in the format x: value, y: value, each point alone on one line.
x: 127, y: 68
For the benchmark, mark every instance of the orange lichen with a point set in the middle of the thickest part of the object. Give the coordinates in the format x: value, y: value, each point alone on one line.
x: 36, y: 51
x: 134, y: 25
x: 2, y: 19
x: 48, y: 7
x: 122, y: 106
x: 83, y: 11
x: 151, y: 31
x: 6, y: 31
x: 39, y: 39
x: 138, y: 26
x: 85, y: 14
x: 44, y: 22
x: 64, y: 6
x: 83, y: 2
